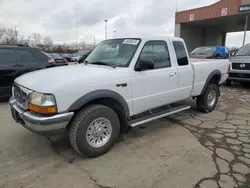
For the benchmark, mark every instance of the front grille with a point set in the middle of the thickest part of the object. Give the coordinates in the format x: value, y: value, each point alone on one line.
x: 20, y: 96
x: 241, y: 66
x: 239, y: 75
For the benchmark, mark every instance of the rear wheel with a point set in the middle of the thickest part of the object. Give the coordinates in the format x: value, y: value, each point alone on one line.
x: 208, y: 101
x: 94, y: 130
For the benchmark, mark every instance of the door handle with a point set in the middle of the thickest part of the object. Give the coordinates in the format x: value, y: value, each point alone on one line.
x: 171, y: 74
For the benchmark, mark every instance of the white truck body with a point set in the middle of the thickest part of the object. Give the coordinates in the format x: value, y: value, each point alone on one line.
x: 146, y: 90
x: 123, y: 83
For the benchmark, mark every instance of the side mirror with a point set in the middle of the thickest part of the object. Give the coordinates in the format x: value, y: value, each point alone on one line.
x: 144, y: 64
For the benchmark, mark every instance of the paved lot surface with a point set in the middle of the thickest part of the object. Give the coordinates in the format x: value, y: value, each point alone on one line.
x: 190, y: 149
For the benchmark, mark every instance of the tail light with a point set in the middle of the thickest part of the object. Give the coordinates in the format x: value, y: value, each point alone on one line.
x: 65, y: 60
x: 229, y: 68
x: 51, y: 61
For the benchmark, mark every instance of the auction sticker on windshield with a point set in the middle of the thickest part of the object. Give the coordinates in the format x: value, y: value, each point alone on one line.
x: 131, y: 41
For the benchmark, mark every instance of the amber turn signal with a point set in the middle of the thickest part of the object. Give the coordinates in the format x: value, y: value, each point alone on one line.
x: 42, y: 109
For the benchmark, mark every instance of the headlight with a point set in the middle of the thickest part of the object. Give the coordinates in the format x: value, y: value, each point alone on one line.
x: 42, y: 103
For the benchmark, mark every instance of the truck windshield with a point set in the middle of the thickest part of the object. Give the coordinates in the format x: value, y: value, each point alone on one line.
x: 244, y: 51
x: 115, y: 52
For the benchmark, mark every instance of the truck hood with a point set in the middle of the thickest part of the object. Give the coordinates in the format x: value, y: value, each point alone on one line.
x: 240, y: 59
x: 48, y: 80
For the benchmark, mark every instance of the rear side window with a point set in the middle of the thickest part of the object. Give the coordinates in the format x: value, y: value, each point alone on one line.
x: 26, y: 55
x: 181, y: 53
x: 7, y: 56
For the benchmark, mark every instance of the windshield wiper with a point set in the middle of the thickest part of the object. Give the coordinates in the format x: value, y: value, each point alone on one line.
x: 102, y: 63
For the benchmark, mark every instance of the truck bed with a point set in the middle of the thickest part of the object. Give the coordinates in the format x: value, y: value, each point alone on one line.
x: 203, y: 67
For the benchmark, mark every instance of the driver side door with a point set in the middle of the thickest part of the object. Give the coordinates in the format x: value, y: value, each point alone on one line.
x: 158, y: 86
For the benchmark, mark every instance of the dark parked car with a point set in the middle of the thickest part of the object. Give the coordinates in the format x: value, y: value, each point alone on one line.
x: 68, y: 57
x: 16, y: 60
x: 59, y: 60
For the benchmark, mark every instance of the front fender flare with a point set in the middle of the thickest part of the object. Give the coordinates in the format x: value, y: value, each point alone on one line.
x: 97, y: 95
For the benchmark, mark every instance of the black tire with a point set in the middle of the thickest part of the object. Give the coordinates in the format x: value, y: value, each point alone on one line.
x: 202, y: 101
x: 80, y: 124
x: 228, y: 82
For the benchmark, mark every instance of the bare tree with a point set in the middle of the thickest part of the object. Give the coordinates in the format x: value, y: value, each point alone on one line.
x: 27, y: 39
x: 10, y: 36
x: 2, y: 33
x: 47, y: 41
x: 21, y: 39
x: 37, y: 38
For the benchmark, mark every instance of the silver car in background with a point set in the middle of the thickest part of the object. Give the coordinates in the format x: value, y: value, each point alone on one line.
x: 240, y: 66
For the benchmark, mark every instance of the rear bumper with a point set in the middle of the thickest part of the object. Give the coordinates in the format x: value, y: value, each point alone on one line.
x: 60, y: 64
x: 43, y: 125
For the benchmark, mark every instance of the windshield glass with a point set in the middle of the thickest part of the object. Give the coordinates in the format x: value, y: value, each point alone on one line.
x: 117, y: 52
x: 204, y: 51
x: 244, y: 51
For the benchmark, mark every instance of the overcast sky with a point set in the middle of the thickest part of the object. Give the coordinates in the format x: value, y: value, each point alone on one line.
x: 68, y: 20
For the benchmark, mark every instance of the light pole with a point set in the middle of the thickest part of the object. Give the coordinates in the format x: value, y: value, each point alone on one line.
x: 177, y: 5
x: 245, y: 32
x: 16, y: 34
x: 76, y: 29
x: 114, y: 33
x: 106, y: 29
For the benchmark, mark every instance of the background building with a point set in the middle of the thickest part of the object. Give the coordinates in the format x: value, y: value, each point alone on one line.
x: 209, y: 25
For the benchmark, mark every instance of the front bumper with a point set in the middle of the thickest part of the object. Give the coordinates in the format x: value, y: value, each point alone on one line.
x: 44, y: 125
x: 239, y: 76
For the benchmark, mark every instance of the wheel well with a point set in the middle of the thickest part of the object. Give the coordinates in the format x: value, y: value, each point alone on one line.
x: 115, y: 105
x: 215, y: 79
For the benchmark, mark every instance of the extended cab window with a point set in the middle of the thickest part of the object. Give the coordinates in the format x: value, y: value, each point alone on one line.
x: 7, y: 56
x: 26, y: 55
x: 181, y: 53
x: 157, y: 51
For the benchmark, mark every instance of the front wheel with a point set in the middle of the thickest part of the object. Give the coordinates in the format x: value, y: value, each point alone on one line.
x: 94, y: 130
x: 208, y: 101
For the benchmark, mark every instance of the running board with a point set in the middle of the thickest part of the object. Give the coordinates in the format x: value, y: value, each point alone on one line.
x: 158, y: 115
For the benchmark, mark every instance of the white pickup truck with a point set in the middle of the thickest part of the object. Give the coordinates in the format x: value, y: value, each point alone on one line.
x: 123, y: 83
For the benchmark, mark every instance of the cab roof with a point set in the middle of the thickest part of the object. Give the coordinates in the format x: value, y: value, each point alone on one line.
x: 147, y: 38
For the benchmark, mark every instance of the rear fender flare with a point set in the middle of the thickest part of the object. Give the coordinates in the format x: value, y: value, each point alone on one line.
x: 210, y: 78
